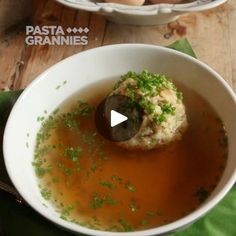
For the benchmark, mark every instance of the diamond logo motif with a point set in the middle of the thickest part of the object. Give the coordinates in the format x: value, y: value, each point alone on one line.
x: 69, y: 30
x: 74, y: 30
x: 86, y: 30
x: 80, y: 30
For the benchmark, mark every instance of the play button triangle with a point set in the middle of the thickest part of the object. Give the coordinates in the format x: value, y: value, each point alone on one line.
x: 117, y: 118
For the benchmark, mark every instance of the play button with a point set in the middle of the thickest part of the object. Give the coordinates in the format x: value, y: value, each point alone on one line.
x: 118, y: 118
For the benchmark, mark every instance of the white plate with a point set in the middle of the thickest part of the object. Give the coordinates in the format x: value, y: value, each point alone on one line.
x: 141, y: 15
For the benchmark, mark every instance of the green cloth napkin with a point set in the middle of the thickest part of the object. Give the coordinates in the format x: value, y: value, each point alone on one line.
x: 16, y: 219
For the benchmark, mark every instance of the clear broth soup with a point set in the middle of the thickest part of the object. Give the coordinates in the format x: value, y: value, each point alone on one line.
x: 93, y: 182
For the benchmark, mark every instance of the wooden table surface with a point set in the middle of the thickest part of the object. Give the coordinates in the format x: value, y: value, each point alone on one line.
x: 211, y: 33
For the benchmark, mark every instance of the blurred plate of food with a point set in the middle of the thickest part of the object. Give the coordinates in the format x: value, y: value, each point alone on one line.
x: 142, y: 12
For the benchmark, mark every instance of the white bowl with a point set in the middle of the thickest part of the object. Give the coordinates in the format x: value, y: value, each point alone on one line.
x: 93, y: 66
x: 141, y: 15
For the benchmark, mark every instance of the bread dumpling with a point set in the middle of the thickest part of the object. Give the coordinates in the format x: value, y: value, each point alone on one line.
x: 164, y: 114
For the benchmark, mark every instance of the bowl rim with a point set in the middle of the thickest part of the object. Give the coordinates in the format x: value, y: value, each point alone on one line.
x: 154, y: 9
x: 188, y: 219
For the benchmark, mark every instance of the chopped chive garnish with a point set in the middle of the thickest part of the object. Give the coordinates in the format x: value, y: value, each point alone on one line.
x: 130, y: 187
x: 46, y: 193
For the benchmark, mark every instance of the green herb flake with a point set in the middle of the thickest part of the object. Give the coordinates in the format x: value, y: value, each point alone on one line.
x: 107, y: 184
x: 131, y: 91
x: 102, y: 155
x: 109, y: 200
x: 130, y: 187
x: 40, y: 171
x: 159, y: 118
x: 45, y: 132
x: 46, y: 193
x: 43, y: 151
x: 56, y: 111
x: 70, y: 120
x: 168, y: 108
x: 44, y: 205
x: 147, y: 105
x: 179, y: 95
x: 66, y: 211
x: 144, y: 221
x: 75, y: 222
x: 67, y: 171
x: 114, y: 228
x: 93, y: 167
x: 89, y: 138
x: 97, y: 201
x: 126, y: 226
x: 150, y: 213
x: 117, y: 179
x: 83, y: 108
x: 73, y: 153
